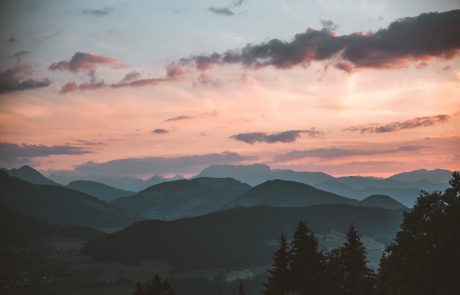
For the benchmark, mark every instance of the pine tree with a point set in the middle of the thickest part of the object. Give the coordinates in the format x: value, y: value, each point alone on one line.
x: 278, y: 275
x: 424, y: 260
x: 306, y: 265
x: 157, y: 286
x: 241, y: 290
x: 356, y: 276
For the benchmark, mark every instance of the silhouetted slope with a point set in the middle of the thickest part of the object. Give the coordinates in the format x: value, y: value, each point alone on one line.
x: 382, y: 201
x: 421, y: 175
x: 99, y: 190
x: 29, y: 174
x: 259, y: 173
x: 233, y: 238
x: 182, y: 198
x: 282, y: 193
x: 55, y: 204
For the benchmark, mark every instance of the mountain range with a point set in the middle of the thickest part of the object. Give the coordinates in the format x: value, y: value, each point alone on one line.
x: 183, y: 198
x: 57, y: 204
x: 234, y: 238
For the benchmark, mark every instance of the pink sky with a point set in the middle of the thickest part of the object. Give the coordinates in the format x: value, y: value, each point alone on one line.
x: 117, y: 120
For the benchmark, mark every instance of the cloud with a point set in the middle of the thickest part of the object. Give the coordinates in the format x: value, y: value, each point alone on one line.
x: 178, y: 118
x: 174, y: 70
x: 160, y: 165
x: 98, y: 12
x: 285, y: 136
x: 396, y: 126
x: 334, y: 153
x: 15, y: 79
x: 72, y: 86
x: 129, y: 77
x: 83, y: 61
x: 415, y: 38
x: 205, y: 79
x: 12, y: 154
x: 239, y: 2
x: 160, y: 131
x: 329, y: 25
x: 221, y: 11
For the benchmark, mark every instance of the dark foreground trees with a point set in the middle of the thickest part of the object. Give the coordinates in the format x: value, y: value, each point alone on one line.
x: 305, y: 270
x: 425, y: 258
x: 157, y: 286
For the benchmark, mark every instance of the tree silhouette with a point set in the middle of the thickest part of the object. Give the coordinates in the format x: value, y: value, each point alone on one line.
x: 241, y: 290
x: 157, y: 286
x: 356, y: 276
x: 278, y: 275
x: 425, y: 258
x: 306, y: 265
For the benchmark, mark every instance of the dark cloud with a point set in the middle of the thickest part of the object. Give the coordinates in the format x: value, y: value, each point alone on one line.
x: 329, y: 25
x: 82, y: 61
x: 160, y: 131
x: 178, y: 118
x: 12, y: 154
x: 98, y: 12
x: 221, y: 11
x: 239, y: 2
x: 285, y: 136
x: 20, y: 54
x: 414, y: 38
x: 174, y: 70
x: 129, y: 77
x: 333, y: 153
x: 16, y: 79
x: 396, y: 126
x: 88, y: 142
x: 72, y: 86
x: 11, y: 40
x: 160, y: 165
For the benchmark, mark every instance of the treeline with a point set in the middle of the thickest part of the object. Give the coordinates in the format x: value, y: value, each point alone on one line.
x: 423, y: 260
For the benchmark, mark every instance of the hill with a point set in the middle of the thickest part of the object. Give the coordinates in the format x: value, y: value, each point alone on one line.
x: 421, y: 175
x: 234, y: 238
x: 99, y: 190
x: 282, y: 193
x: 183, y: 198
x: 382, y: 201
x: 259, y: 173
x: 29, y: 174
x: 54, y: 204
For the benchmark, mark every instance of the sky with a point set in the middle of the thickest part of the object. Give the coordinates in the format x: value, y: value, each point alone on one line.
x: 169, y: 87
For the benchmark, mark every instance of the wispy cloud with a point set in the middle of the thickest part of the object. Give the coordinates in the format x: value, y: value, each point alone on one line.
x: 178, y: 118
x: 12, y: 154
x: 83, y: 61
x: 221, y: 11
x: 397, y: 126
x: 160, y: 165
x: 16, y: 79
x: 98, y: 12
x: 284, y: 136
x: 160, y: 131
x: 414, y: 38
x: 334, y: 153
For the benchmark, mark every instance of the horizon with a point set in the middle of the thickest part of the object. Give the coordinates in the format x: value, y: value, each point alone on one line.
x: 85, y: 90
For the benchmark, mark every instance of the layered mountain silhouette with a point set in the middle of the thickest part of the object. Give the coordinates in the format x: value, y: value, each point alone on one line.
x: 29, y: 174
x: 233, y: 238
x: 99, y: 190
x: 382, y: 201
x: 183, y: 198
x: 403, y: 187
x: 283, y: 193
x: 55, y: 204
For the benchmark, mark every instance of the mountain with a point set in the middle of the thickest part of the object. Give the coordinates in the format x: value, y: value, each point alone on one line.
x: 382, y: 201
x: 126, y: 183
x: 54, y: 204
x: 29, y: 174
x: 423, y: 175
x: 234, y: 238
x: 183, y: 198
x: 259, y: 173
x: 283, y: 193
x: 404, y: 187
x: 98, y: 190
